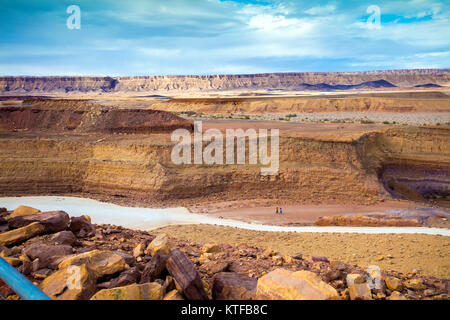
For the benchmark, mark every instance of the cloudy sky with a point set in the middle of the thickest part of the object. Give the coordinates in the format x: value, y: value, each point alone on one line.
x: 154, y: 37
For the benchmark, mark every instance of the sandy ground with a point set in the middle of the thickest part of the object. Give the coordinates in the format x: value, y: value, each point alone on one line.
x: 249, y: 211
x: 429, y: 255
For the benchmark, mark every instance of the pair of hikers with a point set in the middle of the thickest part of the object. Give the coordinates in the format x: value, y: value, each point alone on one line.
x: 280, y: 211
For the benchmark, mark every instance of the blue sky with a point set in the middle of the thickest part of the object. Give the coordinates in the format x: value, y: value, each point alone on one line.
x: 155, y: 37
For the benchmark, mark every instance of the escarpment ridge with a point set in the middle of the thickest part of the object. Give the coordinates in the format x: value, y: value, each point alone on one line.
x: 83, y: 116
x: 324, y: 81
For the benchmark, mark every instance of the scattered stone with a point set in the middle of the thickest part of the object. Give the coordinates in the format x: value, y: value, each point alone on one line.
x: 64, y: 237
x: 393, y: 283
x: 82, y: 227
x: 146, y: 291
x: 42, y: 273
x: 70, y: 283
x: 414, y: 284
x: 320, y: 259
x: 102, y: 262
x: 129, y: 259
x: 355, y: 278
x: 127, y: 277
x: 360, y: 291
x: 24, y: 211
x: 12, y: 261
x: 154, y: 268
x: 12, y: 237
x: 53, y: 221
x: 233, y: 286
x: 216, y: 266
x: 138, y: 250
x: 47, y: 254
x: 159, y: 245
x: 210, y: 248
x: 287, y: 285
x: 183, y: 270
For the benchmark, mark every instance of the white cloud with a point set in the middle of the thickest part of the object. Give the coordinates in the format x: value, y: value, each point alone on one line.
x: 321, y: 10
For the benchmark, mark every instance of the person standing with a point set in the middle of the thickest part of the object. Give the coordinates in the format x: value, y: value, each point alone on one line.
x: 276, y: 211
x: 281, y: 211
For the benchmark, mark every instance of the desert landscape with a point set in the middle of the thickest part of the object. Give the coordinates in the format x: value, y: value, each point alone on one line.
x: 358, y: 151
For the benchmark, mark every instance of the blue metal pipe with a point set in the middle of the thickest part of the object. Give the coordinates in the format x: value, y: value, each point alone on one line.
x: 21, y: 285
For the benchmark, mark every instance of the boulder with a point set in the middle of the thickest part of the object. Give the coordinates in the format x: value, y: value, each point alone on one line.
x: 53, y: 221
x: 360, y: 291
x: 129, y: 259
x: 146, y: 291
x: 159, y: 245
x: 233, y: 286
x: 393, y: 283
x: 216, y: 266
x: 12, y: 237
x: 23, y: 211
x: 282, y: 284
x: 154, y: 268
x: 353, y: 278
x: 47, y: 254
x: 3, y: 221
x: 138, y: 250
x: 64, y: 237
x: 102, y: 262
x: 81, y: 226
x: 320, y: 259
x: 414, y: 284
x: 127, y: 277
x: 70, y: 283
x: 184, y: 272
x: 210, y: 248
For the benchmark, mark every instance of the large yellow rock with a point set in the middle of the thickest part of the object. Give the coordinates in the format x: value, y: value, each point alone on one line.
x: 159, y: 245
x: 21, y: 234
x: 71, y: 283
x: 393, y: 283
x: 282, y: 284
x: 24, y: 211
x: 102, y: 262
x: 146, y: 291
x: 360, y: 291
x: 414, y: 284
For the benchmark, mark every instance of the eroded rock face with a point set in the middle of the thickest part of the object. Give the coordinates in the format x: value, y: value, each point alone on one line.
x: 53, y: 221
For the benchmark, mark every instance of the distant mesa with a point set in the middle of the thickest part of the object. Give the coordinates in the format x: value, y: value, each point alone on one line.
x: 162, y: 85
x: 428, y: 85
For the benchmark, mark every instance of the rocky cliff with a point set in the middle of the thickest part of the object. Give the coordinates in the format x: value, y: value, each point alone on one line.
x: 138, y: 168
x: 294, y: 81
